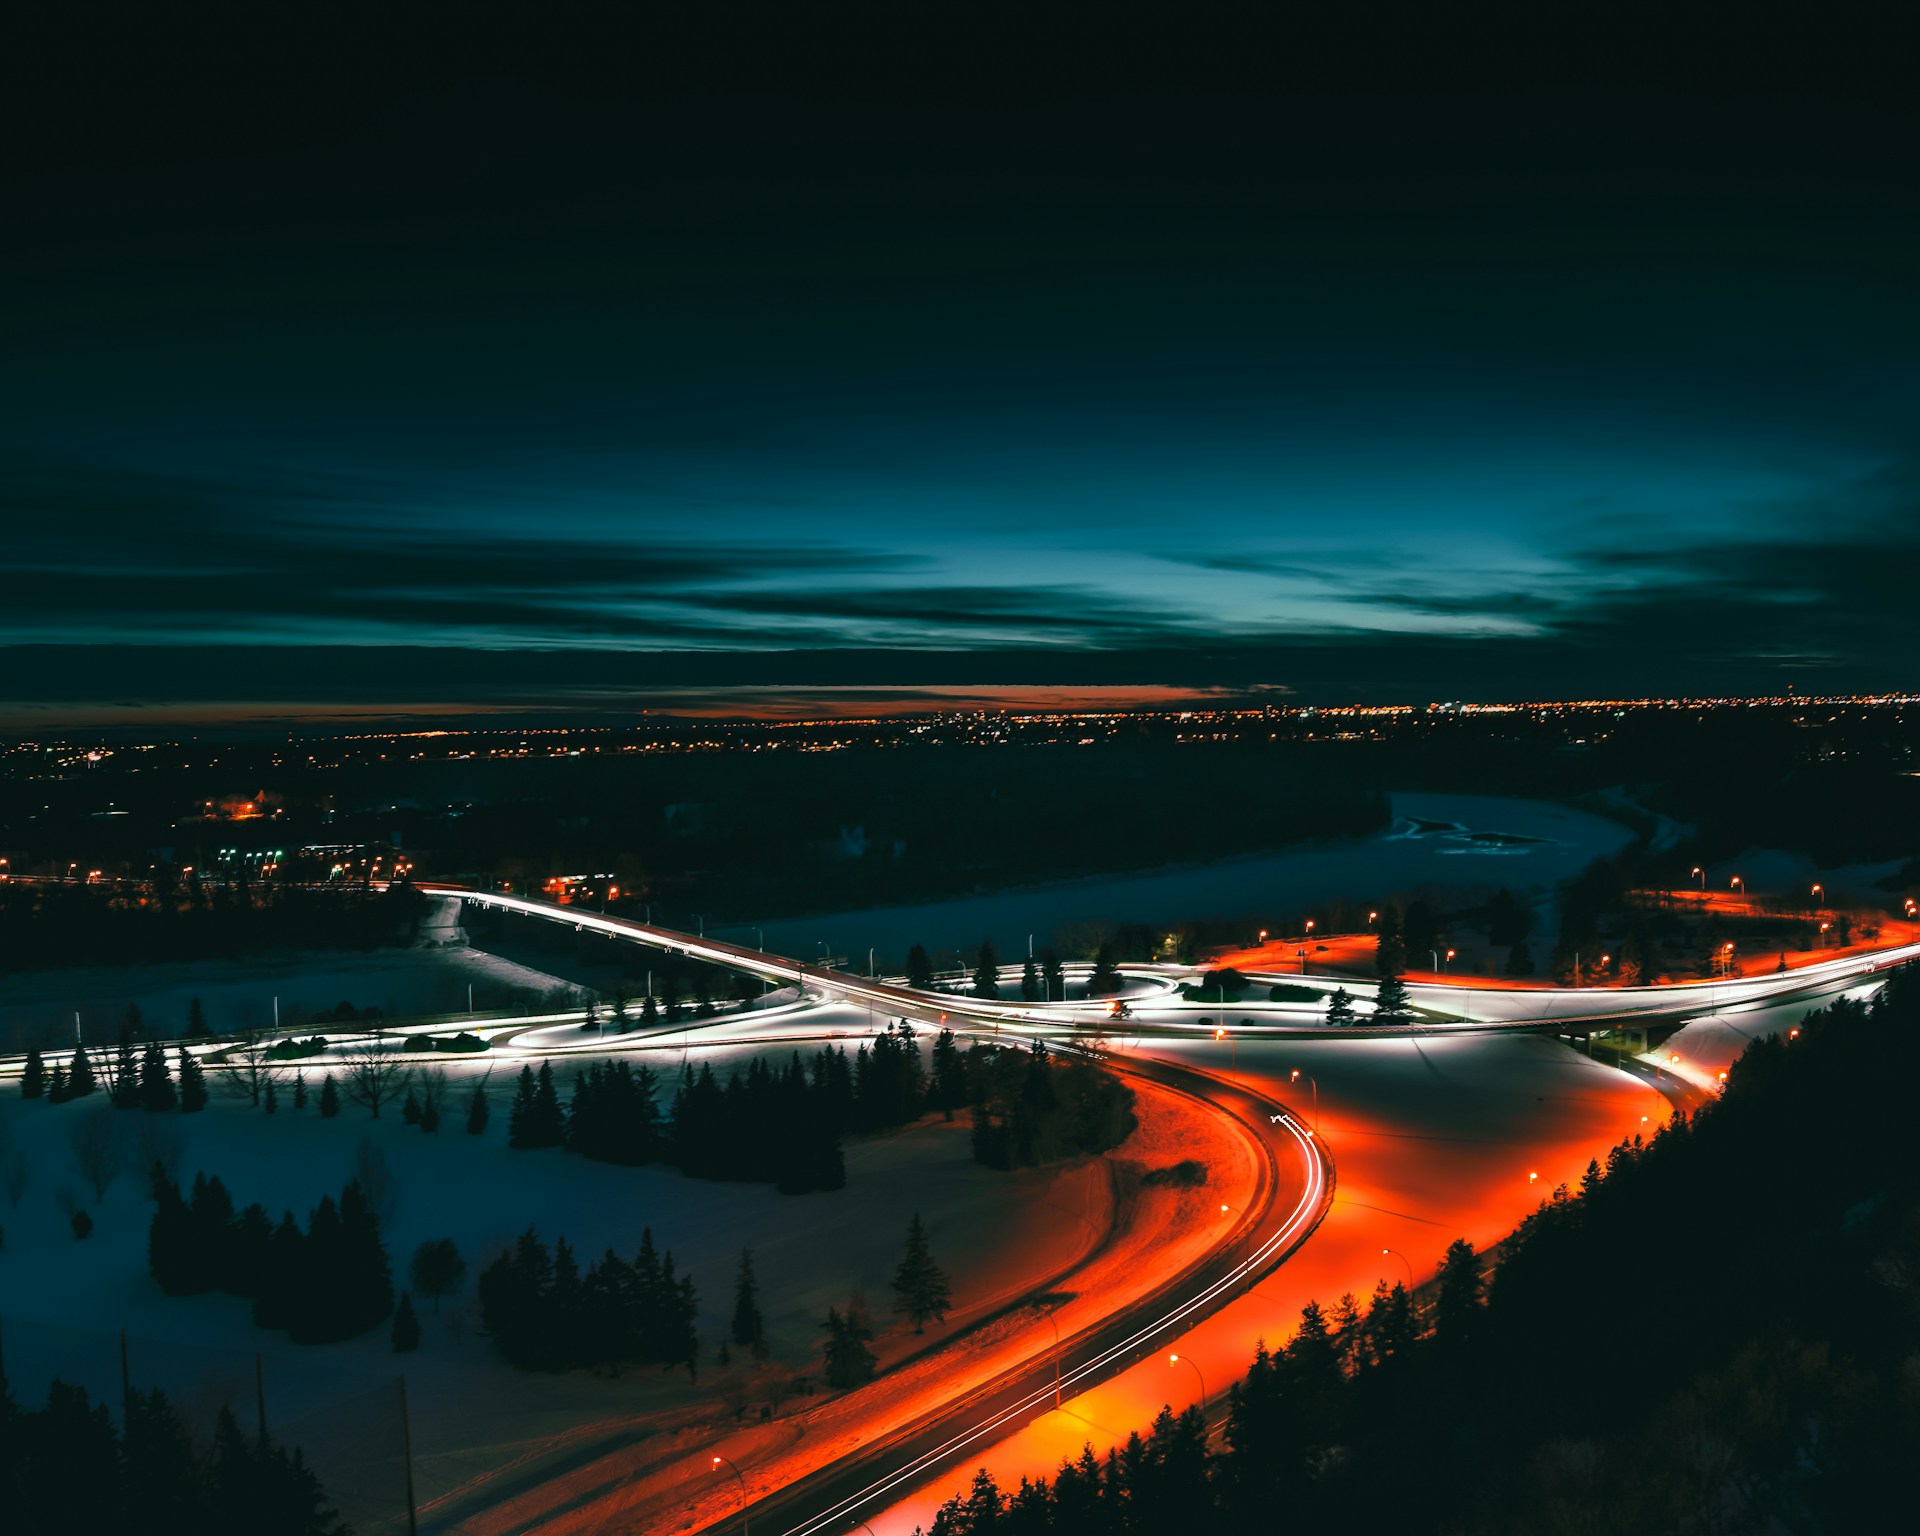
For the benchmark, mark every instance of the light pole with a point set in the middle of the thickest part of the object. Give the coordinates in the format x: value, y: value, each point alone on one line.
x: 1294, y: 1078
x: 1403, y: 1259
x: 718, y: 1463
x: 1233, y: 1046
x: 1701, y: 874
x: 1051, y: 1318
x: 1188, y: 1360
x: 1736, y: 883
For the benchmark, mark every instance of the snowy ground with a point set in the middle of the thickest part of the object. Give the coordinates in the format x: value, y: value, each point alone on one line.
x: 62, y: 1301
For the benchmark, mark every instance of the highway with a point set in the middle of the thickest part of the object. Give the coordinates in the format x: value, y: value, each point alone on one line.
x: 886, y: 1470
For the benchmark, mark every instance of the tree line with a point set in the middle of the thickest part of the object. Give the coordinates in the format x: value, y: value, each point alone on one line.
x: 327, y: 1281
x: 68, y: 1467
x: 1712, y: 1321
x: 55, y: 924
x: 545, y: 1314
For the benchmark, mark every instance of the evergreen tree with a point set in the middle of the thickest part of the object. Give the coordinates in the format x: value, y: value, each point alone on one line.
x: 920, y: 1288
x: 477, y: 1110
x: 520, y: 1116
x: 1457, y: 1306
x: 124, y: 1085
x: 1032, y: 989
x: 1391, y: 1003
x: 33, y: 1081
x: 80, y: 1080
x: 299, y: 1090
x: 193, y: 1083
x: 749, y: 1329
x: 59, y: 1090
x: 1105, y: 980
x: 1520, y: 959
x: 948, y: 1090
x: 269, y: 1099
x: 196, y: 1021
x: 410, y: 1107
x: 919, y: 968
x: 430, y: 1113
x: 1390, y: 950
x: 986, y: 971
x: 1053, y: 976
x: 406, y: 1327
x: 849, y: 1361
x: 329, y: 1098
x: 649, y: 1012
x: 1340, y: 1007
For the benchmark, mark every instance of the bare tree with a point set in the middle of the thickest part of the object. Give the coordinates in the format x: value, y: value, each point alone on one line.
x: 95, y: 1139
x: 438, y: 1270
x: 376, y: 1179
x: 15, y: 1174
x: 250, y: 1067
x: 374, y: 1073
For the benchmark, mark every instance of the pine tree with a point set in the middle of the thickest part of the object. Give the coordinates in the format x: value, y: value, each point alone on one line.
x: 986, y: 972
x: 193, y: 1083
x: 1340, y: 1007
x: 477, y: 1110
x: 1105, y: 980
x: 919, y: 968
x: 80, y: 1081
x: 550, y: 1124
x: 649, y: 1012
x: 1520, y: 960
x: 124, y: 1086
x: 920, y: 1286
x: 58, y: 1088
x: 1456, y: 1309
x: 196, y: 1021
x: 749, y: 1328
x: 269, y: 1099
x: 406, y: 1327
x: 1032, y: 990
x: 430, y: 1114
x: 848, y: 1360
x: 329, y: 1098
x: 520, y: 1117
x: 299, y: 1090
x: 410, y: 1107
x: 1391, y: 1003
x: 33, y: 1081
x: 1390, y: 951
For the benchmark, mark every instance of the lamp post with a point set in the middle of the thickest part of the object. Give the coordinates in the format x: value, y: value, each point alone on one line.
x: 1233, y: 1046
x: 1403, y: 1259
x: 1294, y: 1078
x: 1701, y: 875
x: 1188, y: 1361
x: 718, y: 1463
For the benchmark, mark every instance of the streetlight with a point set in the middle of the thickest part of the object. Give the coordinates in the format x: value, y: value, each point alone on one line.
x: 720, y: 1461
x: 1263, y: 932
x: 1371, y: 916
x: 1702, y: 875
x: 1233, y: 1046
x: 1177, y: 1359
x: 1532, y: 1178
x: 1294, y: 1078
x: 1818, y: 889
x: 1450, y: 955
x: 1403, y: 1259
x: 1823, y: 931
x: 1736, y: 881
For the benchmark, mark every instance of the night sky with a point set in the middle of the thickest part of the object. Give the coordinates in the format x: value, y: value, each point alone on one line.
x: 348, y: 373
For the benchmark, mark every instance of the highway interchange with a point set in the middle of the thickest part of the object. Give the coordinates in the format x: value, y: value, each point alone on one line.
x: 1159, y: 1041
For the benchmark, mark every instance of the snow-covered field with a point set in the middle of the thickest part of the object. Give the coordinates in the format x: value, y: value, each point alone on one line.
x: 63, y: 1301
